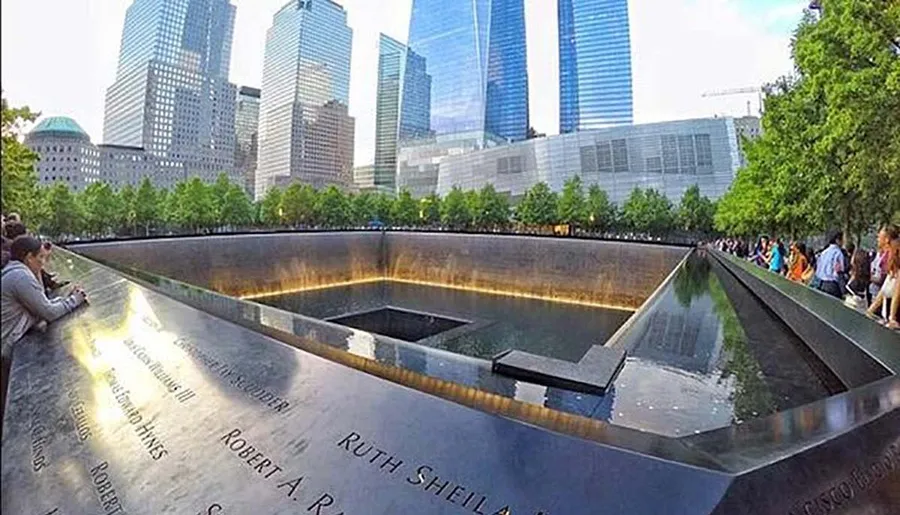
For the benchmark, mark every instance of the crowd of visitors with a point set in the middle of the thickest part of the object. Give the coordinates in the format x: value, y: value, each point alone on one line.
x: 865, y: 280
x: 27, y: 292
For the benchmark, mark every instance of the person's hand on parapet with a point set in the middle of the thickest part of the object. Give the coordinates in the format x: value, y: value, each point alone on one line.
x: 79, y: 295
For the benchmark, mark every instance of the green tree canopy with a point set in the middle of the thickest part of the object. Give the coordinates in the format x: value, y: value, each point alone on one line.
x: 298, y: 204
x: 455, y: 210
x: 270, y: 212
x: 18, y: 180
x: 431, y: 209
x: 601, y: 212
x: 829, y: 155
x: 147, y: 208
x: 494, y: 208
x: 100, y: 207
x: 572, y: 208
x: 236, y: 209
x: 648, y: 211
x: 695, y: 213
x: 333, y: 208
x: 65, y: 214
x: 363, y: 206
x: 405, y: 210
x: 539, y: 207
x: 384, y: 207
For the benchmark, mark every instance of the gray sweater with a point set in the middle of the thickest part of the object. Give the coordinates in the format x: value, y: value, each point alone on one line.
x: 23, y: 304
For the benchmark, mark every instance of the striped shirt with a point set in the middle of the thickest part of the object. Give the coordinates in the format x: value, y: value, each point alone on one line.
x: 830, y: 264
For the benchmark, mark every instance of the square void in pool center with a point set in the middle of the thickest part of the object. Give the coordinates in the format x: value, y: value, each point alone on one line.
x: 465, y: 322
x: 397, y: 323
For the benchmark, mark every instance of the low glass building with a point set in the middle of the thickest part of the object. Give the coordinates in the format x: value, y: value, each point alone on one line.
x: 669, y: 157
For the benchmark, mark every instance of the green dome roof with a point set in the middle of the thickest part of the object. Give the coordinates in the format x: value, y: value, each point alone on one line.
x: 59, y: 126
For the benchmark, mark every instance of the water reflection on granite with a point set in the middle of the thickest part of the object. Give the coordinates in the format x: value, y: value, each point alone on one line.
x: 692, y: 366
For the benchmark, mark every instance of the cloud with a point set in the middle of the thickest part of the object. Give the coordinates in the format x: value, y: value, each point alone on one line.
x: 684, y: 48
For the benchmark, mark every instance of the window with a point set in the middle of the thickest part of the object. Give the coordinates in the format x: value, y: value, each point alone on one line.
x: 669, y: 154
x: 686, y: 154
x: 704, y: 150
x: 654, y: 165
x: 604, y: 157
x: 588, y: 160
x: 620, y: 156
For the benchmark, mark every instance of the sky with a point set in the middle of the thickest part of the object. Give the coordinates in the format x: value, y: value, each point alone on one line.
x: 59, y: 56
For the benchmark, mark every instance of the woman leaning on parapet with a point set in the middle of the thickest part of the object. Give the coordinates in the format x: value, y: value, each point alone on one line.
x: 887, y: 301
x: 23, y: 299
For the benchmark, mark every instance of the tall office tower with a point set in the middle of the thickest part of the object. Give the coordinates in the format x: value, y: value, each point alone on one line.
x: 305, y: 133
x: 246, y: 127
x: 171, y: 95
x: 474, y: 52
x: 594, y: 65
x: 402, y: 78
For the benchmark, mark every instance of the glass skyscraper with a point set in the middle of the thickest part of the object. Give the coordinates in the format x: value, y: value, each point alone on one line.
x: 474, y: 52
x: 402, y: 79
x: 246, y: 132
x: 594, y: 65
x: 305, y: 133
x: 171, y: 95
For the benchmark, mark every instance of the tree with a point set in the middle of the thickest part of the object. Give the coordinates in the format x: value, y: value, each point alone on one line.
x: 431, y: 210
x: 236, y: 208
x: 18, y: 180
x: 298, y: 204
x: 647, y: 211
x: 100, y: 208
x: 125, y: 217
x: 473, y: 206
x: 829, y: 154
x: 454, y: 209
x: 333, y: 208
x: 218, y: 191
x: 572, y: 206
x: 147, y: 206
x: 539, y: 207
x: 696, y: 212
x: 64, y: 212
x: 601, y: 212
x: 363, y: 206
x: 494, y: 208
x: 270, y: 211
x: 405, y: 210
x: 384, y: 207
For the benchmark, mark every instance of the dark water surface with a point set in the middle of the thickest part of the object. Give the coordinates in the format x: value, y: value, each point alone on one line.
x: 496, y: 322
x: 705, y: 355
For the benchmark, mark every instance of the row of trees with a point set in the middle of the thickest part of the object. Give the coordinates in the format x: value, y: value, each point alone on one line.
x: 829, y: 155
x: 194, y: 206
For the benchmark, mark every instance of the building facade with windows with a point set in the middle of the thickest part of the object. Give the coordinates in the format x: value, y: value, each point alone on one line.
x: 246, y: 132
x: 65, y: 153
x: 475, y: 55
x: 171, y: 95
x: 305, y: 131
x: 595, y: 83
x: 669, y: 157
x: 402, y: 80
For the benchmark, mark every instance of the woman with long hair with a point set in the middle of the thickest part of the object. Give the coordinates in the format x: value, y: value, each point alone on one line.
x: 798, y: 262
x: 888, y: 298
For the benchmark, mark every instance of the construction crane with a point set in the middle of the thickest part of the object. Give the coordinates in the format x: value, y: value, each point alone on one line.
x: 737, y: 91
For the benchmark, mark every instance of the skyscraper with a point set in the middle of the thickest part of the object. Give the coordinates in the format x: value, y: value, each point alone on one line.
x: 305, y: 133
x: 474, y: 52
x: 171, y: 95
x: 402, y: 78
x: 594, y: 64
x: 246, y: 127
